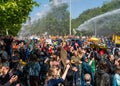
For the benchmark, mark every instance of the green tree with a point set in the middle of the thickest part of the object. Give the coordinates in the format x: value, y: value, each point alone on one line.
x: 13, y: 13
x: 55, y: 22
x: 90, y: 13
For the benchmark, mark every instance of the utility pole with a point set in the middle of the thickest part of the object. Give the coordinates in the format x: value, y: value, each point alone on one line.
x: 70, y: 19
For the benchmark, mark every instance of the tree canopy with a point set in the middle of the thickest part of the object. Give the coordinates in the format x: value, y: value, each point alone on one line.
x: 55, y: 22
x: 13, y: 13
x: 90, y: 13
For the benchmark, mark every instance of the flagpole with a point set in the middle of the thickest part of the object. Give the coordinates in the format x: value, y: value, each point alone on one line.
x: 70, y: 19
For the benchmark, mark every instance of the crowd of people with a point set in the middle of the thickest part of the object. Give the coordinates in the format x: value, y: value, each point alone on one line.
x: 58, y: 61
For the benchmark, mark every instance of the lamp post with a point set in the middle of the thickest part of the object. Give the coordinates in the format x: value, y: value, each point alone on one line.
x: 70, y: 19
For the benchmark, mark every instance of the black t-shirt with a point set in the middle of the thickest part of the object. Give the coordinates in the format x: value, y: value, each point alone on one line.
x: 69, y: 78
x: 55, y: 81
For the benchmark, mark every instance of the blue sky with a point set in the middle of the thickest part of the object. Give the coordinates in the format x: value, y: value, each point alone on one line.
x: 77, y: 6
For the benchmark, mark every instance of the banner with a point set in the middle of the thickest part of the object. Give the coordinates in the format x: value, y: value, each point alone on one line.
x: 117, y: 39
x: 113, y: 38
x: 74, y: 31
x: 63, y: 55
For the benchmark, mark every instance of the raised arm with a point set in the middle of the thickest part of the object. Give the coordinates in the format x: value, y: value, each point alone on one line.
x: 65, y: 72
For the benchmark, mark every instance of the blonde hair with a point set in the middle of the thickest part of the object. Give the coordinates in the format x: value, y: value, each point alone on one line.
x: 50, y: 74
x: 87, y: 77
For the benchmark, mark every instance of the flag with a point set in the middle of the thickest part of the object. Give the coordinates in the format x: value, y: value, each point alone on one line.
x: 113, y: 38
x: 117, y: 39
x: 74, y: 31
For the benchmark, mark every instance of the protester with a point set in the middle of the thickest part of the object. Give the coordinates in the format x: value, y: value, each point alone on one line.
x: 86, y: 69
x: 5, y: 74
x: 87, y: 80
x: 117, y: 55
x: 12, y: 80
x: 70, y: 75
x: 76, y: 62
x: 14, y: 60
x: 102, y: 78
x: 53, y: 78
x: 8, y: 44
x: 40, y: 61
x: 111, y: 66
x: 116, y: 79
x: 33, y: 68
x: 117, y: 62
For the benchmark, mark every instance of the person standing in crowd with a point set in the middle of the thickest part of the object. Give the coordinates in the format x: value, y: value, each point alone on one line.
x: 22, y: 51
x: 11, y: 81
x: 117, y: 62
x: 76, y: 61
x: 86, y: 69
x: 5, y: 76
x: 71, y: 52
x: 4, y: 55
x: 8, y: 45
x: 8, y: 78
x: 53, y: 76
x: 69, y: 77
x: 33, y: 68
x: 102, y: 78
x: 45, y: 63
x: 116, y: 78
x: 44, y: 69
x: 117, y: 55
x: 111, y: 66
x: 87, y: 80
x: 14, y: 60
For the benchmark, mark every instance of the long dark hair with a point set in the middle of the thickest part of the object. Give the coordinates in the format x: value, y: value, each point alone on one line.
x: 103, y: 66
x: 33, y: 58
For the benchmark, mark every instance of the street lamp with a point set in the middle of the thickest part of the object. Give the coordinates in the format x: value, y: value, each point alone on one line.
x: 70, y: 19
